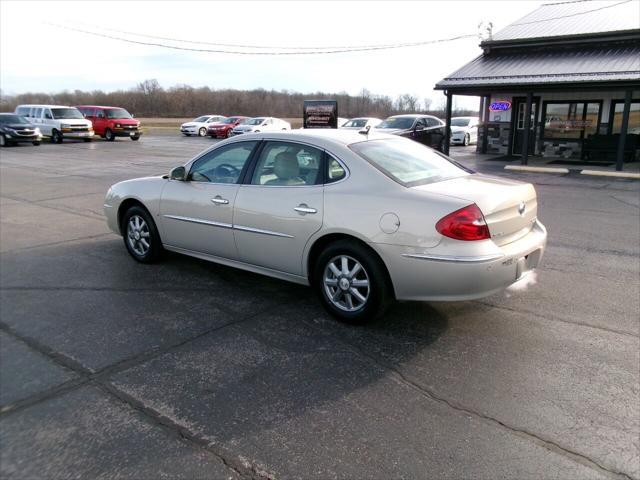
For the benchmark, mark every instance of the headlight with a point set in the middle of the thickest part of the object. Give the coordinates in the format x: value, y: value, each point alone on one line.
x: 117, y: 125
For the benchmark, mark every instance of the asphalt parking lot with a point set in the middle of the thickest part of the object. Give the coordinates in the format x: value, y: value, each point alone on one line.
x: 185, y: 369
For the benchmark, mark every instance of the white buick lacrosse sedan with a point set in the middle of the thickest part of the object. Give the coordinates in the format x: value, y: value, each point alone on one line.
x: 362, y: 218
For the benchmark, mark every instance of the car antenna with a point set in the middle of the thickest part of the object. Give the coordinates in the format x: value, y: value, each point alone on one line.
x: 365, y: 130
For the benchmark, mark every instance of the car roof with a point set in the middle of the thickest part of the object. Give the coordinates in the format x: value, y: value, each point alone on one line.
x: 99, y: 106
x: 324, y: 135
x: 43, y: 105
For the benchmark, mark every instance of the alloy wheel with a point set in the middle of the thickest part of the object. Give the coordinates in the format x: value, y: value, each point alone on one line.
x: 346, y: 283
x: 138, y: 235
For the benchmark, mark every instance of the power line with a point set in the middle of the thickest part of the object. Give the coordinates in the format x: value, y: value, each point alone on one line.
x: 272, y: 53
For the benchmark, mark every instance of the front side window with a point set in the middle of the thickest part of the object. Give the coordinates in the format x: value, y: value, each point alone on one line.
x: 222, y: 165
x: 47, y: 114
x: 634, y: 117
x: 287, y: 164
x: 571, y: 120
x: 397, y: 122
x: 407, y: 162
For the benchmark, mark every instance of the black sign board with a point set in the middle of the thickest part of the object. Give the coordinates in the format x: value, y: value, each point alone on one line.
x: 320, y: 114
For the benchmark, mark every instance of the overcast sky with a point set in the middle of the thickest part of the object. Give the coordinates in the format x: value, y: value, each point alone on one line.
x: 35, y: 56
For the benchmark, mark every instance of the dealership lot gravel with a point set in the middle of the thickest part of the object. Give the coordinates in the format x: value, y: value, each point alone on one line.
x: 185, y: 369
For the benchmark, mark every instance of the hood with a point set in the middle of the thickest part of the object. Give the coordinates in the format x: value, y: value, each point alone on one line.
x: 125, y: 121
x: 19, y: 126
x: 190, y: 124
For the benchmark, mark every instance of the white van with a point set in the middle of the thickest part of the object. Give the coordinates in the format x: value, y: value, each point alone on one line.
x: 57, y: 121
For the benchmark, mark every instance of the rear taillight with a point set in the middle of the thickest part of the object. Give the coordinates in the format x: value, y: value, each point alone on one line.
x: 465, y: 224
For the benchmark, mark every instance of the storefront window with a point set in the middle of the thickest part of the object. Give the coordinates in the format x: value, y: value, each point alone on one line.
x: 634, y: 117
x: 571, y: 120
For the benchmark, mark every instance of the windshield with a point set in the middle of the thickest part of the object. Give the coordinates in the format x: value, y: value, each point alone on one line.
x: 117, y: 113
x: 202, y: 119
x: 6, y: 119
x: 407, y: 162
x: 229, y: 120
x: 254, y: 121
x: 460, y: 122
x: 357, y: 122
x: 66, y: 113
x: 397, y: 122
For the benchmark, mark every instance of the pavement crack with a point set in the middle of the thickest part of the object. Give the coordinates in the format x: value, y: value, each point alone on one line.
x: 548, y: 444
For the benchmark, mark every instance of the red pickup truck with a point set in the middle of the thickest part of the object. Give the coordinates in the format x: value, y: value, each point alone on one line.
x: 111, y: 122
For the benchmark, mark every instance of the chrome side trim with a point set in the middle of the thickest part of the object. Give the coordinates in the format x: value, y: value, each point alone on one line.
x: 228, y: 225
x: 106, y: 205
x: 454, y: 258
x: 200, y: 221
x: 263, y: 232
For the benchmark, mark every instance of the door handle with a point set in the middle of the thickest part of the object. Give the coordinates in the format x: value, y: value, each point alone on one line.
x: 218, y: 200
x: 303, y: 208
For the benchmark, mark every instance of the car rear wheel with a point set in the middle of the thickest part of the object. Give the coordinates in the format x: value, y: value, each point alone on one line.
x: 56, y: 136
x: 109, y: 136
x: 351, y: 282
x: 466, y: 140
x: 202, y: 132
x: 141, y: 235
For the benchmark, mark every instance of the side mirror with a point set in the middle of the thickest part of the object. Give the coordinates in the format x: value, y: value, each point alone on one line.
x: 178, y: 173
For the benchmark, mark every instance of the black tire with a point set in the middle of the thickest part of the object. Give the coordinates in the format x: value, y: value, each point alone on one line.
x: 202, y: 132
x: 466, y: 140
x: 37, y: 144
x: 109, y: 136
x: 56, y: 136
x: 378, y: 295
x: 187, y: 134
x: 154, y: 249
x: 3, y: 141
x: 229, y: 133
x: 135, y: 138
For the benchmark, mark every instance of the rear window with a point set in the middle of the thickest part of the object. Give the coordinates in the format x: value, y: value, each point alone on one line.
x: 407, y: 162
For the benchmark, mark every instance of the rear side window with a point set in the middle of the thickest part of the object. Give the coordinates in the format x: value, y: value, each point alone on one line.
x: 335, y: 171
x: 222, y: 165
x: 38, y: 113
x: 407, y: 162
x: 287, y: 164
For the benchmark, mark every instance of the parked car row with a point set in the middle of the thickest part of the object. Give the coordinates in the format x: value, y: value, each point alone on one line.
x: 219, y: 126
x: 29, y: 123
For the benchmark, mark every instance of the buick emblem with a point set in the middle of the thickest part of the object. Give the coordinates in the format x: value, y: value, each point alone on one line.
x: 521, y: 208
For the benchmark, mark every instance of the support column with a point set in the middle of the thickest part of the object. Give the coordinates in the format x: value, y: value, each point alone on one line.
x: 485, y: 124
x: 623, y: 130
x: 527, y: 128
x: 447, y: 133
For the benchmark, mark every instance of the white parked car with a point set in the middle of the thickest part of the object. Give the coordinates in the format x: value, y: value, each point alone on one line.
x: 361, y: 122
x: 198, y: 126
x: 261, y: 124
x: 341, y: 121
x: 57, y: 121
x: 464, y: 130
x: 371, y: 218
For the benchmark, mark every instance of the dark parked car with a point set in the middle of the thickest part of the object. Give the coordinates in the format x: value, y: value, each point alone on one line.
x: 425, y: 129
x: 15, y: 128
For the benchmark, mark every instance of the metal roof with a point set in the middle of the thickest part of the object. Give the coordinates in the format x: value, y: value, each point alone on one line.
x: 573, y: 18
x: 536, y: 67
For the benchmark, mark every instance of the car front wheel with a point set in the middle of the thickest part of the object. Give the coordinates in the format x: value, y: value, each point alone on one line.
x: 202, y: 132
x: 109, y: 136
x: 351, y: 282
x: 56, y: 136
x: 135, y: 138
x: 141, y: 235
x: 466, y: 140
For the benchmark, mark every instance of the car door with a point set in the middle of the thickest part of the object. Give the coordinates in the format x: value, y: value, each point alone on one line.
x: 281, y: 207
x: 434, y: 134
x: 47, y: 123
x: 197, y: 214
x: 420, y: 131
x: 99, y: 119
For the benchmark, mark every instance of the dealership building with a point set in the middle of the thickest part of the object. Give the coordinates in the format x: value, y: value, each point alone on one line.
x: 563, y: 83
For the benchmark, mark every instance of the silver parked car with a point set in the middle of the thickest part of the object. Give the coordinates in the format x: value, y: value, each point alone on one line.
x: 464, y: 130
x: 362, y: 218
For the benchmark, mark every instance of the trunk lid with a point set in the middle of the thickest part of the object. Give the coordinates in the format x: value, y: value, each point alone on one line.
x: 510, y: 208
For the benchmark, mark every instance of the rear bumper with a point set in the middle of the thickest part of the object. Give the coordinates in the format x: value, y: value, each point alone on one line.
x: 431, y: 274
